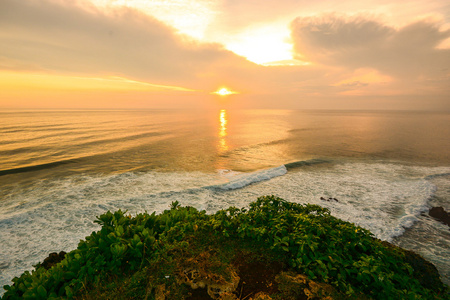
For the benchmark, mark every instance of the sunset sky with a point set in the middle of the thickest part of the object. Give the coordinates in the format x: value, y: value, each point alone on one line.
x: 347, y: 54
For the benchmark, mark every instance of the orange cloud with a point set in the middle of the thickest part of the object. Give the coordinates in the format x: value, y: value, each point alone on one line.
x: 64, y: 53
x: 359, y: 42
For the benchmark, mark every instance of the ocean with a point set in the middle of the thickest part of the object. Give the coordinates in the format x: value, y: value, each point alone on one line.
x: 61, y: 169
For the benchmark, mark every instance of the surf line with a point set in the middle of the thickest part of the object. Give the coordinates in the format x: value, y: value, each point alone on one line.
x: 243, y: 180
x: 37, y: 167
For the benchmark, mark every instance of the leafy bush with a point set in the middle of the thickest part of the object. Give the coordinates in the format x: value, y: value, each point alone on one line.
x: 306, y: 237
x: 324, y: 248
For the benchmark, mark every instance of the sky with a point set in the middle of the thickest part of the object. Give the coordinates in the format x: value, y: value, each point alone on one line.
x: 288, y: 54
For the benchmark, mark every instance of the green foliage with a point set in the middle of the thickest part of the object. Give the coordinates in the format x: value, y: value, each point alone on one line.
x: 323, y: 247
x: 306, y: 237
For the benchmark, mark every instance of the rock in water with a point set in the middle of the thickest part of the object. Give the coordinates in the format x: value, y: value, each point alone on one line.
x: 440, y: 214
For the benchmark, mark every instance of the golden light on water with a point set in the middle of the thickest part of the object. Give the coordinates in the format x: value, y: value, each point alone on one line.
x: 223, y: 123
x: 223, y: 145
x: 223, y: 131
x: 224, y: 92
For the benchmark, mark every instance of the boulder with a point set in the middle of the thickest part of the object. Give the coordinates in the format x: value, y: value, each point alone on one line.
x: 440, y: 214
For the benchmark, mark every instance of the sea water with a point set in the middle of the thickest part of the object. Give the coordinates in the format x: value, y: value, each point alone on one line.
x: 61, y: 169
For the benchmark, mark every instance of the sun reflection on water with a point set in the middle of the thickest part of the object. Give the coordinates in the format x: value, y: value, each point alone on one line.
x: 223, y: 146
x: 223, y: 123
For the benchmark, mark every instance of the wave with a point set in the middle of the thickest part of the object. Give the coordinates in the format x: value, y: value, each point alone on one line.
x: 429, y: 177
x: 126, y: 138
x: 243, y: 180
x: 303, y: 163
x: 37, y: 167
x: 54, y: 215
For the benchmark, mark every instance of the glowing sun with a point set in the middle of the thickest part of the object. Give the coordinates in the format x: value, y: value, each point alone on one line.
x: 224, y: 92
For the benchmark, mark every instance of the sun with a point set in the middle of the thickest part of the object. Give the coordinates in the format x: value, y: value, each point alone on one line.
x: 224, y: 92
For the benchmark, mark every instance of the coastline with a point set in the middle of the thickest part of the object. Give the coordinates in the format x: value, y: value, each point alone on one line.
x: 310, y: 251
x: 366, y: 194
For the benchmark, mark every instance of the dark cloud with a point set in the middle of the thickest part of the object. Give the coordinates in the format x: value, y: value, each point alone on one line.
x: 357, y: 42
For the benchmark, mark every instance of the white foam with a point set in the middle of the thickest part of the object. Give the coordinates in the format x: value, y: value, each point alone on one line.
x: 384, y: 198
x: 53, y: 215
x: 241, y: 180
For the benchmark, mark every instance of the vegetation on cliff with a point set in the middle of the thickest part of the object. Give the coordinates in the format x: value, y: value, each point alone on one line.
x: 273, y: 250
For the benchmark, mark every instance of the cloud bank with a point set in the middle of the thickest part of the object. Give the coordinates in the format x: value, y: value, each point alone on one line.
x: 404, y: 60
x: 357, y: 42
x: 350, y: 56
x: 62, y: 37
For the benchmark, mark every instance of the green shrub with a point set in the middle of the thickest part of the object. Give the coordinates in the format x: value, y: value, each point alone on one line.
x: 305, y: 237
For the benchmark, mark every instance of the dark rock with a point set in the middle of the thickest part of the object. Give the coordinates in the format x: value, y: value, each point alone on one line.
x: 424, y: 271
x: 329, y: 199
x: 440, y: 214
x: 52, y: 259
